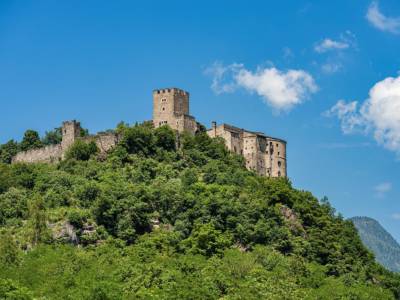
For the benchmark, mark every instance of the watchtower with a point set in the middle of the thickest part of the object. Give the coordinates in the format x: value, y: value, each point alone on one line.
x: 71, y: 130
x: 171, y: 107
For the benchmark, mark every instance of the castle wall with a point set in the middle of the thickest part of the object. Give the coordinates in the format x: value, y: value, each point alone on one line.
x: 105, y: 141
x: 48, y: 154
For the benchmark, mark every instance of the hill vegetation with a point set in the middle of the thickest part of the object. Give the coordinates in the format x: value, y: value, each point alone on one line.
x: 379, y: 241
x: 173, y: 218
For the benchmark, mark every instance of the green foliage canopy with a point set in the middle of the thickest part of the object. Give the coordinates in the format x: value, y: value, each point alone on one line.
x: 174, y: 217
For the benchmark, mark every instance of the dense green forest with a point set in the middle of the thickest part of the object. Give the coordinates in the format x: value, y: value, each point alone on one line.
x: 172, y: 217
x: 379, y: 241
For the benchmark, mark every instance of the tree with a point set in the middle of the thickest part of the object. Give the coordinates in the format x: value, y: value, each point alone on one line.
x: 81, y: 150
x: 38, y: 222
x: 31, y: 140
x: 9, y: 252
x: 52, y: 137
x: 9, y: 290
x: 165, y: 138
x: 7, y: 151
x: 206, y: 240
x: 5, y: 177
x: 13, y: 205
x: 139, y: 140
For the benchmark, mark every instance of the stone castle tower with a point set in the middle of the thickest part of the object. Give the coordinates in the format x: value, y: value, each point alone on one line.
x: 70, y: 131
x: 171, y: 107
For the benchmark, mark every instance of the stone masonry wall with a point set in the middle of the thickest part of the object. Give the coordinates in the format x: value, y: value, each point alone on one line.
x: 105, y: 141
x: 48, y: 154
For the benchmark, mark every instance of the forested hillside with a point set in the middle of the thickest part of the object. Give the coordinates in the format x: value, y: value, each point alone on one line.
x: 167, y: 218
x: 379, y: 241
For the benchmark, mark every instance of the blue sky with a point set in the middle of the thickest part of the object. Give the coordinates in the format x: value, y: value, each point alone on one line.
x: 292, y: 69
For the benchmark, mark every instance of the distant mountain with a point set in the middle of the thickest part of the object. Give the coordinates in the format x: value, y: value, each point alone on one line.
x: 379, y: 241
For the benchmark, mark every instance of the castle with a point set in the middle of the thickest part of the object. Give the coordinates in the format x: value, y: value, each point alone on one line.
x: 263, y: 154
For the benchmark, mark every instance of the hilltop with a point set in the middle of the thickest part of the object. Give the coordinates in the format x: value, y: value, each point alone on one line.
x: 379, y: 241
x: 166, y: 216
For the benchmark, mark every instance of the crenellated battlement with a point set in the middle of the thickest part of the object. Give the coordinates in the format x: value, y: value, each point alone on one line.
x: 171, y: 91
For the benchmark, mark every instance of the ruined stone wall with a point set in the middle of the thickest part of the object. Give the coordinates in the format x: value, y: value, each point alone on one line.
x: 70, y: 133
x: 48, y: 154
x: 105, y: 141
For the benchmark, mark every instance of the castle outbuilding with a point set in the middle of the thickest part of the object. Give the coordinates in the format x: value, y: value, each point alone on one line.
x: 263, y: 154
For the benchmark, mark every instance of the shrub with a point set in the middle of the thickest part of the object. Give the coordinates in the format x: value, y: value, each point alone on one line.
x: 81, y: 150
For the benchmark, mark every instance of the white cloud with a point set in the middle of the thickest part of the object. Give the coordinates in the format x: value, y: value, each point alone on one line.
x: 287, y: 53
x: 347, y: 113
x: 335, y: 51
x: 380, y: 21
x: 396, y: 216
x: 379, y: 114
x: 331, y: 67
x: 282, y: 90
x: 221, y: 81
x: 383, y: 187
x: 328, y: 44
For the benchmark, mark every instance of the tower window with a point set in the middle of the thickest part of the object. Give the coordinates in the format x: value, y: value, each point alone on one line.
x: 163, y: 108
x: 279, y: 163
x: 279, y: 174
x: 164, y: 100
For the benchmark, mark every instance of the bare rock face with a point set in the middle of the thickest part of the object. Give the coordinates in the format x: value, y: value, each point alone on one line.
x: 64, y: 232
x: 241, y: 247
x: 292, y: 219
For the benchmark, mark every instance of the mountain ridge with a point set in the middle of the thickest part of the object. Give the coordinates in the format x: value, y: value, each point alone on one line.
x: 378, y: 240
